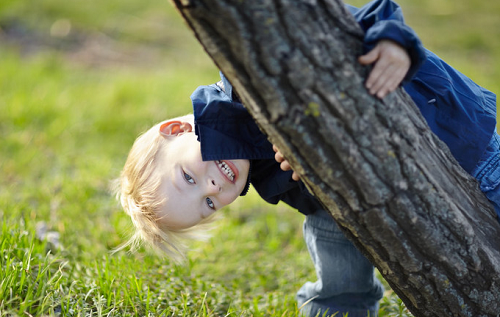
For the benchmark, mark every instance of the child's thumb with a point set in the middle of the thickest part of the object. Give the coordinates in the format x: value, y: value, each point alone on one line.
x: 370, y: 57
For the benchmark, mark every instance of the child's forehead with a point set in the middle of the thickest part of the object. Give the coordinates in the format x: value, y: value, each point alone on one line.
x: 168, y: 144
x: 164, y: 163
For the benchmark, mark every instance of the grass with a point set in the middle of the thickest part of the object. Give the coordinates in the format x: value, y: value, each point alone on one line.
x: 78, y: 82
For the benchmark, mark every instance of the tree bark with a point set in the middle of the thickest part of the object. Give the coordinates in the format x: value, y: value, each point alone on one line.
x: 389, y: 182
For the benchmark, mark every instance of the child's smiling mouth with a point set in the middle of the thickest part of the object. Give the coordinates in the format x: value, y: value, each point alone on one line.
x: 228, y: 170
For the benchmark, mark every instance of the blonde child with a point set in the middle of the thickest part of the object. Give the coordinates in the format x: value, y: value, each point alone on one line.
x: 181, y: 171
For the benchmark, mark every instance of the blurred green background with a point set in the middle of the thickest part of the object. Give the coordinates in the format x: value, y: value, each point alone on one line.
x: 79, y: 80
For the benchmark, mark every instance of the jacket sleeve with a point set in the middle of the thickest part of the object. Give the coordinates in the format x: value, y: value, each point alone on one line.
x: 383, y: 19
x: 225, y: 129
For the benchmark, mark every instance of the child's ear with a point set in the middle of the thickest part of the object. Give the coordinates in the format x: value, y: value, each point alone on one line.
x: 174, y: 128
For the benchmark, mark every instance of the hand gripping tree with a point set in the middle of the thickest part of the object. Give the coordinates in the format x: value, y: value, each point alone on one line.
x: 389, y: 182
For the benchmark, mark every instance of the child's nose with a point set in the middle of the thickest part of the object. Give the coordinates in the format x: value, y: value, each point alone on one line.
x: 213, y: 187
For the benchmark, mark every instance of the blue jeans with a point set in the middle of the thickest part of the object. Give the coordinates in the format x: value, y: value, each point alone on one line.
x: 487, y: 172
x: 346, y: 280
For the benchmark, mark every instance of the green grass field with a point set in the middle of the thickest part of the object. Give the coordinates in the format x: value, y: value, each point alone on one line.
x: 79, y: 80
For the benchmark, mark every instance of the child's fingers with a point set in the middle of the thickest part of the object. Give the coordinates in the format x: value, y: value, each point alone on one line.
x: 285, y: 166
x: 387, y: 82
x: 372, y: 57
x: 386, y: 77
x: 390, y: 64
x: 392, y: 83
x: 385, y: 87
x: 378, y: 77
x: 278, y: 157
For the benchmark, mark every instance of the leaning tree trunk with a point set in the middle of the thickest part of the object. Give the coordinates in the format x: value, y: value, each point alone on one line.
x: 387, y: 180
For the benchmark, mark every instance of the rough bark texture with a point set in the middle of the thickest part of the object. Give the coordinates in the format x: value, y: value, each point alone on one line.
x: 387, y: 180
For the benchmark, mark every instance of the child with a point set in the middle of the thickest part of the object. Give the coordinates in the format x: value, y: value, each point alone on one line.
x: 181, y: 171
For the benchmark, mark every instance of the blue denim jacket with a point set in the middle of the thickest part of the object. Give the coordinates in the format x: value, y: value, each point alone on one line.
x: 458, y: 111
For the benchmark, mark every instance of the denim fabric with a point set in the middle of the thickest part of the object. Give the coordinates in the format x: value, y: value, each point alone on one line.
x: 346, y: 280
x: 487, y: 172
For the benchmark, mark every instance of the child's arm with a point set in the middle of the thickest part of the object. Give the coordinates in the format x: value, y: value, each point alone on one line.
x: 391, y: 64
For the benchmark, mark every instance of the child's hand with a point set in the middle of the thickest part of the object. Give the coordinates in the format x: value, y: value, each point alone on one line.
x: 284, y: 165
x: 392, y: 62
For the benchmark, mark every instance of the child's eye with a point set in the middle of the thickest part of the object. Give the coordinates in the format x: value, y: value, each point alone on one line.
x: 210, y: 203
x: 188, y: 178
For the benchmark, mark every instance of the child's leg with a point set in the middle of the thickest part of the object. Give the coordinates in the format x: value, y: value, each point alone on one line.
x: 346, y: 281
x: 487, y: 172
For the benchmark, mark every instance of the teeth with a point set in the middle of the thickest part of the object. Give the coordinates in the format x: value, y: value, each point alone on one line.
x: 226, y: 169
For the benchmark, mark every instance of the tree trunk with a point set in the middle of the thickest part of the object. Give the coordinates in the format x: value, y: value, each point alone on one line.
x: 390, y: 183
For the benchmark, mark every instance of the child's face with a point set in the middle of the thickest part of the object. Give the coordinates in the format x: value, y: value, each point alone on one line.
x: 195, y: 189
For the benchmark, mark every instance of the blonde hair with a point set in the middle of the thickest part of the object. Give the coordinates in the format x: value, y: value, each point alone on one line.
x: 137, y: 189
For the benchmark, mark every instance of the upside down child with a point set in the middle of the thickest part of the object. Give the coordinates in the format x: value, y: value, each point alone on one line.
x: 183, y: 170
